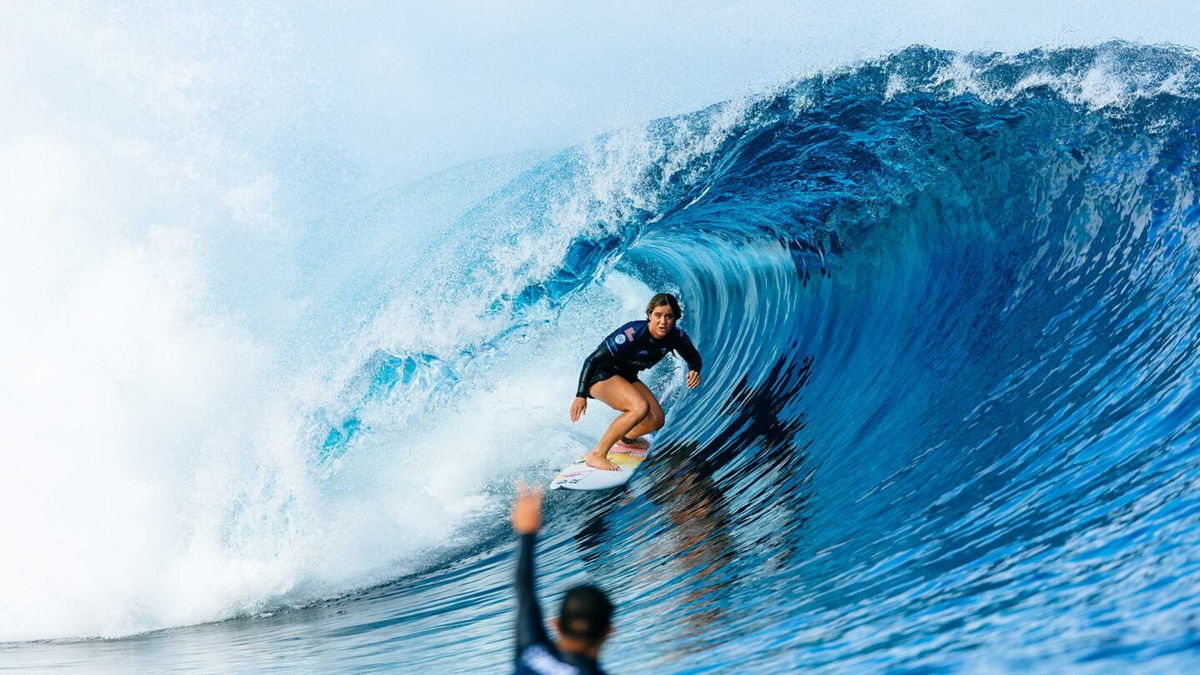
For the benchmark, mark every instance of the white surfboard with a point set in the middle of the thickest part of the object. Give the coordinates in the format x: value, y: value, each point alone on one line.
x: 579, y: 476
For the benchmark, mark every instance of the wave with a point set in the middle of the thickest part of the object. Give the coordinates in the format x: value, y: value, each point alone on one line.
x: 947, y: 304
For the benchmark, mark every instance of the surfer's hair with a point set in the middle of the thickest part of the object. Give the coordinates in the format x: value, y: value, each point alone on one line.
x: 586, y: 614
x: 665, y: 299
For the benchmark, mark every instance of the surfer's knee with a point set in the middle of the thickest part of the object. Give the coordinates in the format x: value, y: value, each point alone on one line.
x: 657, y: 419
x: 639, y: 408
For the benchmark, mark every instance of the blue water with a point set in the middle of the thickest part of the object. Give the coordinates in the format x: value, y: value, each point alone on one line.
x: 950, y: 417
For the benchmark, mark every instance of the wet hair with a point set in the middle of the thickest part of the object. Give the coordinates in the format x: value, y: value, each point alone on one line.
x: 664, y: 299
x: 586, y: 614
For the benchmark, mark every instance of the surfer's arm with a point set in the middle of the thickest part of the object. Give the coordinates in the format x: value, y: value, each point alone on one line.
x: 685, y: 348
x: 529, y: 614
x: 527, y: 520
x: 601, y: 355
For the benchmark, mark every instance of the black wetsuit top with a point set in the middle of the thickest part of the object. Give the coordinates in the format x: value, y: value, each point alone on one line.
x: 630, y: 349
x: 536, y: 654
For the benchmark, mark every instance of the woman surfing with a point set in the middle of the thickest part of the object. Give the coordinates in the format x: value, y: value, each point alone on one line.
x: 610, y: 375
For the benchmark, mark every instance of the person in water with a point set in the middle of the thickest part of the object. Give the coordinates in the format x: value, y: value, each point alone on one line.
x: 611, y: 375
x: 583, y: 623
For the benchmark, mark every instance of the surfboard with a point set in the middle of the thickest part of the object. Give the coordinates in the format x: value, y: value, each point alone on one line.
x: 579, y: 476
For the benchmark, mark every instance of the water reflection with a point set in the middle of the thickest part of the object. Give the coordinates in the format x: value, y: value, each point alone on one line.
x: 715, y: 510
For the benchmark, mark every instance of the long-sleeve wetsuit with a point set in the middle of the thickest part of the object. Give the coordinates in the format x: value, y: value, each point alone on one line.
x: 536, y: 654
x: 630, y: 349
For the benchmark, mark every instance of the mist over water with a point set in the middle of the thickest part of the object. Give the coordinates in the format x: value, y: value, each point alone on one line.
x: 946, y: 301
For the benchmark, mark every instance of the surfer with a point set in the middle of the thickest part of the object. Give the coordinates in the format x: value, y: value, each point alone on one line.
x: 611, y: 375
x: 583, y: 622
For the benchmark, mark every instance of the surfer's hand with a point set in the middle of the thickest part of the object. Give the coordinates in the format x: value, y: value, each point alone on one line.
x: 693, y: 379
x: 527, y: 509
x: 578, y: 407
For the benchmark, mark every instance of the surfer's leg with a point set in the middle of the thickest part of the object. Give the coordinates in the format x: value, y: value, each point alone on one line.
x: 654, y: 417
x: 622, y: 396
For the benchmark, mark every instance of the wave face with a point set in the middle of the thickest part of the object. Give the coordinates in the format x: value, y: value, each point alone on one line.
x: 949, y: 304
x: 950, y: 414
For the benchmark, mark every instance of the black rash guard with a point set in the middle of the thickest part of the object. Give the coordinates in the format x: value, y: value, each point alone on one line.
x: 536, y: 654
x: 630, y: 349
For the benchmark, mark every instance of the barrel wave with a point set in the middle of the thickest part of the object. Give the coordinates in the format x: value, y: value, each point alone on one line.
x: 949, y: 304
x: 950, y: 415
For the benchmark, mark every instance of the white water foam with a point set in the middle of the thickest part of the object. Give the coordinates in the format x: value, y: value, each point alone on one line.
x: 126, y: 412
x: 150, y: 475
x: 1103, y: 84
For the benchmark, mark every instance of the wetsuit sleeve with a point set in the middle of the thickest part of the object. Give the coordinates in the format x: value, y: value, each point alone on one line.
x: 529, y: 614
x: 601, y: 355
x: 685, y: 348
x: 614, y: 348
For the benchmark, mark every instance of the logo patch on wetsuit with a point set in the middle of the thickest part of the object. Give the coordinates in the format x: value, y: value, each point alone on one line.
x: 620, y: 339
x: 629, y: 332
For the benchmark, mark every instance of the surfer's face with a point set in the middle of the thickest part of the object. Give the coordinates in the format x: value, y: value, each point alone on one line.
x: 662, y: 320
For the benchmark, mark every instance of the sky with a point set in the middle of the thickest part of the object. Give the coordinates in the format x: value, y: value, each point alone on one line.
x: 452, y: 81
x: 340, y: 99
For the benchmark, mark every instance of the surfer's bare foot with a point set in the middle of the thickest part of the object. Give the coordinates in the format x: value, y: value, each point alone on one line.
x: 601, y: 462
x: 637, y: 443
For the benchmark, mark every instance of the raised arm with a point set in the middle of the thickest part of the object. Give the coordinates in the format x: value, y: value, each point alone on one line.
x: 527, y: 520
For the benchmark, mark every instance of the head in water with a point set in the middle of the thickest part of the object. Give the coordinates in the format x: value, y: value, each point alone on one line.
x: 662, y: 312
x: 585, y: 619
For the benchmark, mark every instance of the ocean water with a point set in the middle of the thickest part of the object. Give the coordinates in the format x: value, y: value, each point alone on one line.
x: 949, y: 420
